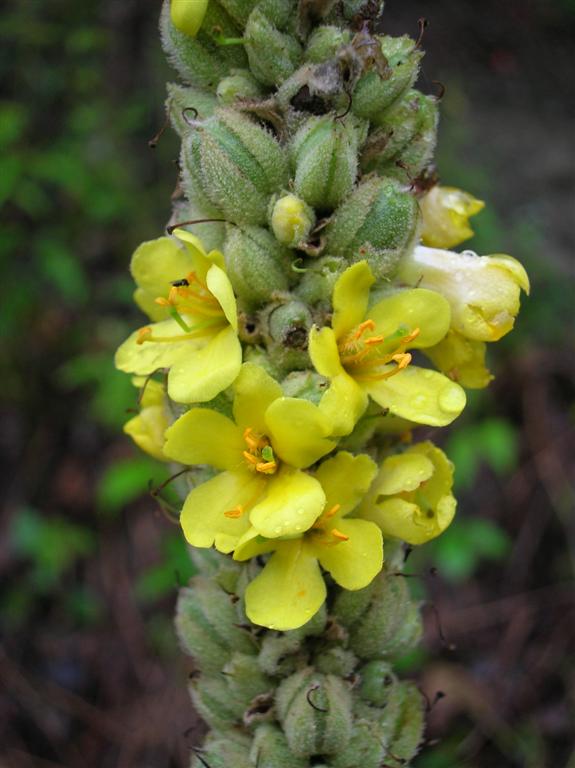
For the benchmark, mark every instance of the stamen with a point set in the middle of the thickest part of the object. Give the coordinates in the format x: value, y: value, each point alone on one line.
x: 251, y: 458
x: 339, y: 535
x: 235, y: 513
x: 144, y: 335
x: 363, y: 327
x: 267, y: 467
x: 333, y: 511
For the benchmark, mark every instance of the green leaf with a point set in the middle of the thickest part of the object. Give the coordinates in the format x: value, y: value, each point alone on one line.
x: 176, y: 568
x: 498, y: 444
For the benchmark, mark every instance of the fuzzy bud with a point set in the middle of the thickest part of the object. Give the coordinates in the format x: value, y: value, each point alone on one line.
x: 376, y: 678
x: 199, y: 60
x: 245, y: 678
x: 257, y: 265
x: 206, y: 621
x: 235, y: 164
x: 315, y: 712
x: 405, y: 138
x: 280, y: 656
x: 324, y: 42
x: 270, y: 750
x: 373, y: 93
x: 184, y: 100
x: 214, y: 703
x: 365, y: 748
x: 335, y: 661
x: 324, y: 159
x: 239, y: 85
x: 378, y: 222
x: 291, y: 220
x: 320, y: 278
x: 229, y: 748
x: 273, y: 55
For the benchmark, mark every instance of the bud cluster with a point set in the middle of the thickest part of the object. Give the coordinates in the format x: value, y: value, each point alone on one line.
x: 305, y: 317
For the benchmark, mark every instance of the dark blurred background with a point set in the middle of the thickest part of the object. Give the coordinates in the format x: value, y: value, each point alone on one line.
x: 90, y: 674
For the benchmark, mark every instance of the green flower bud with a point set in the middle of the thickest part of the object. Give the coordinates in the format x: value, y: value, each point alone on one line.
x: 335, y: 661
x: 199, y: 60
x: 401, y: 126
x: 319, y: 278
x: 211, y: 233
x: 376, y: 678
x: 229, y: 748
x: 365, y: 748
x: 235, y: 164
x: 381, y: 630
x: 289, y: 325
x: 273, y: 55
x: 308, y: 385
x: 257, y: 265
x: 239, y: 85
x: 182, y: 102
x: 206, y: 621
x: 373, y: 93
x: 315, y: 712
x: 291, y: 220
x: 324, y: 160
x: 245, y: 678
x: 239, y: 10
x: 270, y: 749
x: 324, y: 42
x: 280, y: 656
x: 214, y: 703
x: 378, y: 222
x: 409, y: 728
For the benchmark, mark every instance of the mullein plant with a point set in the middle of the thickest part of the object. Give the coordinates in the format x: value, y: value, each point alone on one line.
x: 305, y: 315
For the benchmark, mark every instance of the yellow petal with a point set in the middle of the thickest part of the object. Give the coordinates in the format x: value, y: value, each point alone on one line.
x: 293, y: 502
x: 345, y: 480
x: 289, y: 590
x: 146, y: 302
x: 203, y: 517
x: 415, y: 308
x: 323, y: 352
x: 356, y: 562
x: 445, y: 216
x: 253, y: 544
x: 419, y: 395
x: 254, y: 391
x: 343, y: 404
x: 202, y: 436
x: 188, y: 15
x: 462, y: 359
x: 401, y: 519
x: 219, y: 285
x: 437, y: 489
x: 153, y: 392
x: 351, y: 297
x: 298, y: 431
x: 148, y: 357
x: 156, y: 263
x: 203, y: 373
x: 147, y: 430
x: 404, y: 472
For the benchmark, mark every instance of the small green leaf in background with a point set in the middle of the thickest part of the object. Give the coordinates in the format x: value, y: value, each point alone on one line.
x: 463, y: 546
x: 492, y: 441
x: 127, y: 480
x: 52, y: 544
x: 175, y: 569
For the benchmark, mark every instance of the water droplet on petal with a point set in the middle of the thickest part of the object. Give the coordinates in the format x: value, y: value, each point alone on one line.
x: 452, y: 399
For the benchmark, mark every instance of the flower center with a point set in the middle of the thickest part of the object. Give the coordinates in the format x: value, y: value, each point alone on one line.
x: 326, y: 534
x: 259, y: 454
x: 367, y: 356
x: 188, y: 296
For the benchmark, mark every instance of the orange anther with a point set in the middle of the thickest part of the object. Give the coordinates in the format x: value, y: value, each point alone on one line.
x: 144, y: 335
x: 339, y: 535
x: 374, y: 340
x: 250, y: 457
x: 162, y: 302
x: 333, y: 511
x: 267, y: 467
x: 363, y: 327
x: 411, y: 336
x: 235, y: 512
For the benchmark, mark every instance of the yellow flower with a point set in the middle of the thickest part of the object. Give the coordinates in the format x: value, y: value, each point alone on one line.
x: 411, y: 498
x: 291, y: 588
x: 445, y: 214
x: 483, y: 291
x: 364, y: 354
x: 261, y: 455
x: 463, y: 360
x: 198, y: 341
x: 148, y: 427
x: 187, y: 15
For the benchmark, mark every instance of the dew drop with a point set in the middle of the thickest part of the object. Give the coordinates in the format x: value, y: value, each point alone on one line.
x: 452, y: 399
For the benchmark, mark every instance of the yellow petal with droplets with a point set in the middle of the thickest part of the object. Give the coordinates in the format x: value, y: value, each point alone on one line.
x: 298, y: 431
x: 345, y: 480
x: 293, y: 502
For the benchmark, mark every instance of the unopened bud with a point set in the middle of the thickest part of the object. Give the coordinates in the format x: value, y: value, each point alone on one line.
x: 239, y: 85
x: 445, y: 215
x: 319, y: 279
x: 378, y: 222
x: 257, y: 265
x: 291, y: 220
x: 373, y: 93
x: 270, y: 749
x: 183, y: 101
x: 273, y: 55
x: 324, y: 42
x: 324, y: 158
x: 187, y: 15
x: 198, y: 59
x: 315, y: 713
x: 235, y: 164
x: 222, y: 750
